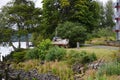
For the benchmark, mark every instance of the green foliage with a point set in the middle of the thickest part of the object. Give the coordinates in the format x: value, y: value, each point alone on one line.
x: 5, y: 34
x: 50, y: 17
x: 36, y: 38
x: 43, y: 48
x: 111, y: 68
x: 40, y: 51
x: 104, y: 32
x: 73, y: 31
x: 55, y: 53
x: 97, y: 78
x: 45, y: 51
x: 21, y: 14
x: 32, y: 54
x: 19, y: 56
x: 34, y: 79
x: 16, y: 56
x: 80, y: 57
x: 85, y: 12
x: 109, y: 12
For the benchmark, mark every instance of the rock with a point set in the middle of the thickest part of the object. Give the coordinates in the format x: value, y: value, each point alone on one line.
x: 96, y: 64
x: 78, y: 68
x: 30, y: 75
x: 12, y: 74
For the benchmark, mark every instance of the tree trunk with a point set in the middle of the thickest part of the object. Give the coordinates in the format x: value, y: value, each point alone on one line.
x: 19, y: 45
x: 19, y: 35
x: 12, y: 45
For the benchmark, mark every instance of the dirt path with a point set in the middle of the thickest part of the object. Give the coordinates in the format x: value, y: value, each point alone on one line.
x: 106, y: 47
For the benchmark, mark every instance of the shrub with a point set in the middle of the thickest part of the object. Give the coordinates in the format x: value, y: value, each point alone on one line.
x: 18, y: 56
x: 88, y: 57
x: 73, y: 57
x: 55, y: 53
x: 111, y: 68
x: 32, y: 54
x: 43, y: 47
x: 80, y: 57
x: 104, y: 32
x: 36, y: 38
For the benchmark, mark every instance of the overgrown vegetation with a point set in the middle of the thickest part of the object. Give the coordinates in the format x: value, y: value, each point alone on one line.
x: 80, y: 57
x: 58, y: 68
x: 17, y: 56
x: 45, y: 51
x: 111, y: 68
x: 55, y: 53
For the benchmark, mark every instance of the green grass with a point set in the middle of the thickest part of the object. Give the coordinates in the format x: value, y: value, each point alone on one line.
x: 101, y: 53
x: 111, y: 68
x: 99, y: 41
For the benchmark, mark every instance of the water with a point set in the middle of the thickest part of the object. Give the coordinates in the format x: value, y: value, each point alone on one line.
x: 5, y: 50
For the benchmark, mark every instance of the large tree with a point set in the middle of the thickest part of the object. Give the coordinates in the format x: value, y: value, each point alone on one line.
x: 75, y: 32
x: 106, y: 21
x: 23, y: 15
x: 58, y: 11
x: 5, y: 31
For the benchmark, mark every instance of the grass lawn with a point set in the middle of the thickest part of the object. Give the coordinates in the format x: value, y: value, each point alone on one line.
x: 101, y: 53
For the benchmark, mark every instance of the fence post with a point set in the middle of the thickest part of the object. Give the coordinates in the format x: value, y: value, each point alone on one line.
x: 78, y: 45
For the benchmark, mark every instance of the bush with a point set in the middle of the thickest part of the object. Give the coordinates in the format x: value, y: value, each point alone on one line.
x: 19, y: 56
x: 88, y: 57
x: 80, y: 57
x: 36, y: 38
x: 32, y: 54
x: 55, y: 53
x: 111, y: 68
x: 40, y: 51
x: 43, y: 48
x: 104, y: 32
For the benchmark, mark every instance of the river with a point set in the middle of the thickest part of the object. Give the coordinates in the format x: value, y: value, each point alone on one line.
x: 5, y: 50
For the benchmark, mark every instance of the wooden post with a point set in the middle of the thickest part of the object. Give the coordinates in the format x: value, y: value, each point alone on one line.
x: 78, y: 45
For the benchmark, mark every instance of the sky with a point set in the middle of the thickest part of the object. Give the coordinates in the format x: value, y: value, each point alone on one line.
x: 38, y: 2
x: 104, y: 1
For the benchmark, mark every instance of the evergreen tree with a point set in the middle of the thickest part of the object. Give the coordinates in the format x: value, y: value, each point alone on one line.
x: 109, y: 12
x: 85, y: 12
x: 23, y: 15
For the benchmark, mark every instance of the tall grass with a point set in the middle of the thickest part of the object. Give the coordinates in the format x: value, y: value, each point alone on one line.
x: 111, y: 68
x: 106, y: 54
x: 97, y: 78
x: 57, y: 68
